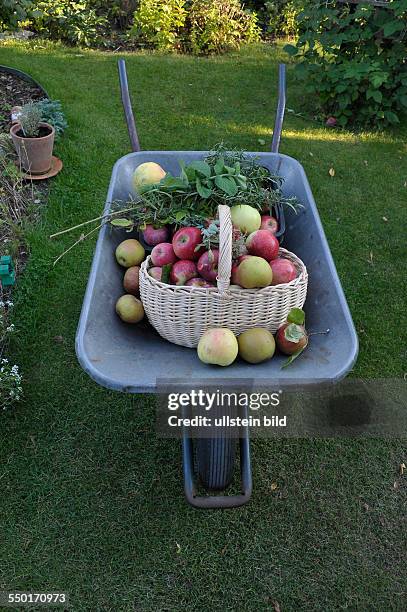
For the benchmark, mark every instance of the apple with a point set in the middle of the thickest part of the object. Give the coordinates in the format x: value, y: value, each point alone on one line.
x: 131, y: 280
x: 254, y: 272
x: 218, y: 346
x: 331, y: 122
x: 130, y: 309
x: 234, y: 274
x: 263, y: 244
x: 198, y: 282
x: 146, y: 174
x: 156, y: 272
x: 246, y: 218
x: 130, y: 253
x: 163, y: 254
x: 284, y: 271
x: 256, y: 345
x: 186, y: 241
x: 269, y: 223
x: 208, y: 265
x: 154, y: 235
x: 291, y: 337
x: 182, y: 271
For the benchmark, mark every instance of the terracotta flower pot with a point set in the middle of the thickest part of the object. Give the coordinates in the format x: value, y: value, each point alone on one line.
x: 35, y: 153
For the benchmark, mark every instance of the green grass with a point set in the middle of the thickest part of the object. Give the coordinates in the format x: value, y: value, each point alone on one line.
x: 91, y: 500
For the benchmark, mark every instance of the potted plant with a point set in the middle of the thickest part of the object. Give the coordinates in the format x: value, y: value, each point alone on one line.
x: 33, y: 140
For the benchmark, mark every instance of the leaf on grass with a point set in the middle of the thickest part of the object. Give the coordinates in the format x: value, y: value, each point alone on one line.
x: 178, y: 548
x: 276, y: 606
x: 274, y: 486
x: 402, y: 468
x: 385, y: 219
x: 293, y: 357
x: 296, y: 315
x: 261, y: 141
x: 331, y: 172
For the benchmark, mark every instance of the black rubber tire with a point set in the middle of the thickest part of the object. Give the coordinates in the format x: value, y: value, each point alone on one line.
x: 215, y: 462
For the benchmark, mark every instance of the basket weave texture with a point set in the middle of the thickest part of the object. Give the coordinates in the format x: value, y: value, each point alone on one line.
x: 182, y: 314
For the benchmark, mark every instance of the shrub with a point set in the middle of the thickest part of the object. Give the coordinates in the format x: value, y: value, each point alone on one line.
x: 72, y: 22
x: 279, y: 17
x: 119, y: 13
x: 51, y: 112
x: 216, y: 26
x: 354, y: 59
x: 158, y: 22
x: 12, y: 12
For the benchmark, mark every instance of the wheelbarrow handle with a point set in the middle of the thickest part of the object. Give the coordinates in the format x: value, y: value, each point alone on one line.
x: 128, y: 111
x: 131, y: 124
x: 278, y: 126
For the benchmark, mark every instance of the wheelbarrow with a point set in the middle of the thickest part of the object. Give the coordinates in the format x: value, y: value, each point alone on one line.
x: 133, y: 358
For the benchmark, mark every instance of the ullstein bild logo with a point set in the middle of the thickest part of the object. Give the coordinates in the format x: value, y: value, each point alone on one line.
x: 220, y: 403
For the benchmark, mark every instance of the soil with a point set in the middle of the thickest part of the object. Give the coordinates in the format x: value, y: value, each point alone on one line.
x: 14, y: 92
x: 43, y: 131
x: 21, y: 200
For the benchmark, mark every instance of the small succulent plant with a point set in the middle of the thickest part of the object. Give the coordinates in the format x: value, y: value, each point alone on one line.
x: 30, y: 118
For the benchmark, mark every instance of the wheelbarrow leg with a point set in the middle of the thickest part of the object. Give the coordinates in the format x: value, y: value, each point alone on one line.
x: 217, y: 501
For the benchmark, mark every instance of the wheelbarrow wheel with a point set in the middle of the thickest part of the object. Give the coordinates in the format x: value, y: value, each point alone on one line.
x: 215, y: 461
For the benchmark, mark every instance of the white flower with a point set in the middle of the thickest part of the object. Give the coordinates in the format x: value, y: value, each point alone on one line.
x: 10, y: 328
x: 9, y: 303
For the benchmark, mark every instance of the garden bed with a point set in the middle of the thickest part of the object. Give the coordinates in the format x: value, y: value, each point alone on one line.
x: 15, y: 91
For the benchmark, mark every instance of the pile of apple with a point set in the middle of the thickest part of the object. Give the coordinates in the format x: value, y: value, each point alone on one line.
x: 129, y: 254
x: 193, y: 265
x: 219, y: 345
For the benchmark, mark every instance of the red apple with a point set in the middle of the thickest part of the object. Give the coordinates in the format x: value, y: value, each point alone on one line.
x: 234, y: 274
x: 263, y: 243
x: 163, y: 254
x: 156, y: 272
x: 185, y: 243
x: 182, y: 271
x: 286, y: 346
x: 154, y: 235
x: 284, y: 271
x: 208, y: 265
x: 198, y: 282
x: 269, y: 223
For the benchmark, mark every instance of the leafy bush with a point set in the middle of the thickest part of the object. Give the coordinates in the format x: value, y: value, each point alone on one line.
x: 158, y: 22
x: 72, y: 22
x: 119, y: 13
x: 354, y: 59
x: 279, y: 17
x: 200, y: 26
x: 12, y: 12
x: 216, y: 26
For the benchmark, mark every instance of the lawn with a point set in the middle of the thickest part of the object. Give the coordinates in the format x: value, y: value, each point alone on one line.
x: 91, y: 500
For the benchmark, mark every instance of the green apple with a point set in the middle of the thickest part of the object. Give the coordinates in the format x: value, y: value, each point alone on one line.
x: 254, y: 272
x: 146, y: 174
x: 246, y: 218
x: 218, y: 346
x: 130, y: 253
x: 129, y: 308
x: 256, y: 345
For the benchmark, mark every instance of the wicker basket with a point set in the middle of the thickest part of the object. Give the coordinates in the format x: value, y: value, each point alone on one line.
x: 182, y: 314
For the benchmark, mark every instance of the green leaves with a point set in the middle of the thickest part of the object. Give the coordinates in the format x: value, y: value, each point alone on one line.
x: 228, y: 185
x: 294, y: 333
x: 290, y: 49
x: 203, y: 190
x: 293, y: 357
x: 297, y: 316
x: 354, y: 61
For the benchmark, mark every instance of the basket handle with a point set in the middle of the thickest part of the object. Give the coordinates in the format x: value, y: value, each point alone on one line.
x: 225, y: 248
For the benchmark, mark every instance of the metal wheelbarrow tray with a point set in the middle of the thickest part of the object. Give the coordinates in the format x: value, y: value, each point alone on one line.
x: 131, y: 358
